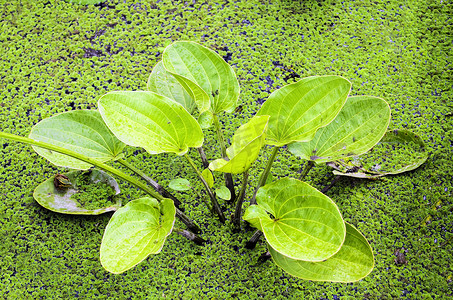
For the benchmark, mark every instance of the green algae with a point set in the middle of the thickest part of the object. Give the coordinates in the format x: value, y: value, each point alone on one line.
x: 397, y: 50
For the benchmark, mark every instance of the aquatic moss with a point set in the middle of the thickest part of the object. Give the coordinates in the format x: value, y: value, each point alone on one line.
x: 58, y: 56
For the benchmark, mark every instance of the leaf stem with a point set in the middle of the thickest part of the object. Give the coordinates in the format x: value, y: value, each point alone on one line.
x: 186, y: 220
x: 251, y: 244
x: 204, y: 160
x: 190, y: 235
x: 228, y: 177
x: 307, y: 169
x: 240, y: 200
x: 265, y: 173
x: 215, y: 204
x: 152, y: 182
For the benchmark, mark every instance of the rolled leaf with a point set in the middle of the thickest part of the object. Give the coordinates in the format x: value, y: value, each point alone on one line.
x: 135, y: 231
x: 299, y: 109
x: 82, y: 131
x: 303, y: 224
x: 353, y: 262
x: 360, y: 125
x: 163, y: 83
x: 207, y: 175
x: 206, y: 77
x: 151, y: 121
x: 399, y: 151
x: 247, y: 143
x: 86, y: 193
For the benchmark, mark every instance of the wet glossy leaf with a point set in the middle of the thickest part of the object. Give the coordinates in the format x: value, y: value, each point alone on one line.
x: 163, y: 83
x: 360, y: 125
x: 299, y: 109
x: 247, y: 143
x: 297, y: 220
x: 207, y: 175
x: 88, y: 193
x: 353, y: 262
x: 151, y: 121
x: 82, y: 131
x: 399, y: 151
x: 135, y: 231
x: 223, y: 193
x: 180, y: 184
x: 207, y: 78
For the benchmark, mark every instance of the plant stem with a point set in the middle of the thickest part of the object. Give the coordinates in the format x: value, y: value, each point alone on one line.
x: 204, y: 160
x: 265, y: 174
x: 186, y: 220
x: 238, y: 211
x: 324, y: 190
x: 215, y: 204
x: 307, y: 169
x: 153, y: 183
x: 190, y: 235
x: 228, y: 177
x: 253, y: 240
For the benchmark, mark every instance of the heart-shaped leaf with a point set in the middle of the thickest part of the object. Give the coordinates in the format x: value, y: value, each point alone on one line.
x: 353, y: 262
x: 163, y: 83
x: 151, y: 121
x: 247, y: 143
x: 207, y: 175
x: 361, y: 123
x: 180, y: 184
x: 207, y: 78
x: 82, y: 131
x: 399, y: 151
x: 84, y: 193
x: 299, y: 109
x: 223, y: 193
x: 135, y: 231
x: 304, y: 223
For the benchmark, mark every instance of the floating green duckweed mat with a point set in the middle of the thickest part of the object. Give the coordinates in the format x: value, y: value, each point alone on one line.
x: 57, y: 56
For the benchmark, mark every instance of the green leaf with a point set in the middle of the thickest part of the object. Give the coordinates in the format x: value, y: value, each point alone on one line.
x: 353, y: 262
x: 207, y: 175
x: 151, y: 121
x: 299, y: 109
x: 87, y: 193
x: 82, y: 131
x: 304, y: 223
x: 206, y: 77
x: 180, y: 184
x: 359, y: 126
x: 269, y: 179
x: 206, y: 119
x: 223, y: 193
x: 247, y: 143
x: 163, y: 83
x: 135, y: 231
x: 399, y: 151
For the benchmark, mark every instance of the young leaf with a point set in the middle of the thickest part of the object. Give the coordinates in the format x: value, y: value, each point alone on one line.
x: 299, y: 109
x: 359, y: 126
x: 207, y: 175
x: 353, y: 262
x: 180, y: 184
x: 223, y: 193
x: 83, y: 193
x: 207, y: 78
x: 304, y: 223
x: 135, y: 231
x: 151, y: 121
x: 206, y: 119
x: 163, y: 83
x: 82, y: 131
x: 399, y: 151
x: 247, y: 143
